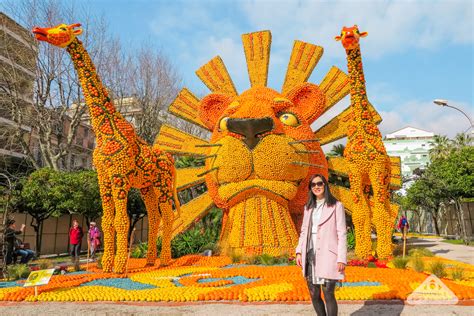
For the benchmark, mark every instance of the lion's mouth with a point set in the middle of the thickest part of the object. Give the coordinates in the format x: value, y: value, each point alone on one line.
x: 281, y: 189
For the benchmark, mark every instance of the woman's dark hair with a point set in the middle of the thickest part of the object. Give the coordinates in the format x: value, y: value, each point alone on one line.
x: 330, y: 199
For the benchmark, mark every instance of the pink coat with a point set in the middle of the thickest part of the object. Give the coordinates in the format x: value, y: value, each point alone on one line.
x: 331, y: 246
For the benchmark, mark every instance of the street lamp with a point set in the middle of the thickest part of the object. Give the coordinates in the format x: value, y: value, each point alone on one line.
x: 442, y: 102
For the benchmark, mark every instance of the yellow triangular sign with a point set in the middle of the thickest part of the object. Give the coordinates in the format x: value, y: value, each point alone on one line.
x: 432, y: 291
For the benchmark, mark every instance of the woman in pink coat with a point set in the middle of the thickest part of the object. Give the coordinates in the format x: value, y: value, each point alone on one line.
x: 322, y: 245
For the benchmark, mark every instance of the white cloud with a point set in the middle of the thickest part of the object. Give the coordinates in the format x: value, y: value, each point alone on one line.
x: 427, y: 116
x: 393, y: 25
x: 198, y: 31
x: 233, y: 56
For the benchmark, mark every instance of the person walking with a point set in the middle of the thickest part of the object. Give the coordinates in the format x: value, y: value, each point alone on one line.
x: 403, y: 226
x: 94, y: 238
x: 75, y: 239
x: 322, y: 246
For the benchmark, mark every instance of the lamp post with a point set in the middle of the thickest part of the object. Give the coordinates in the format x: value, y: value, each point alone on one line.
x: 441, y: 102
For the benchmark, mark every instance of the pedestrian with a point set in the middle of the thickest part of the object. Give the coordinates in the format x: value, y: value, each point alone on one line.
x: 322, y: 246
x: 94, y: 238
x: 75, y: 239
x: 10, y: 239
x: 403, y: 226
x: 21, y: 250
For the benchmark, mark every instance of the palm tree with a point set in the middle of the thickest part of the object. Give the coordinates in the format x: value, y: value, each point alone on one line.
x: 462, y: 140
x: 441, y: 147
x: 188, y: 161
x: 337, y: 150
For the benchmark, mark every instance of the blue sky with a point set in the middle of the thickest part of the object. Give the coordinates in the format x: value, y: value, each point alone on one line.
x: 416, y: 51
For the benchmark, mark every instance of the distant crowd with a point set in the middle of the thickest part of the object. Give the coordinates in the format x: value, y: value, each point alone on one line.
x: 16, y: 248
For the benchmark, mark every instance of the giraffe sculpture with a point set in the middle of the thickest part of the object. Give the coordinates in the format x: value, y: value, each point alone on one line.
x: 122, y: 159
x: 368, y: 161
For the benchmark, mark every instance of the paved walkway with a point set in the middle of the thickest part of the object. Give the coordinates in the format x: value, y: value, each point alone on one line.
x: 446, y: 250
x: 361, y: 309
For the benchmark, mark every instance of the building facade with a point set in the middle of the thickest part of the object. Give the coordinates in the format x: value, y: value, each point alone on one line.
x: 18, y: 113
x: 18, y: 53
x: 412, y: 145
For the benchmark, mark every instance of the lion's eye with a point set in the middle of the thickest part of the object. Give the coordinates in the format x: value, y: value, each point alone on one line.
x: 289, y: 119
x: 223, y: 124
x: 63, y: 29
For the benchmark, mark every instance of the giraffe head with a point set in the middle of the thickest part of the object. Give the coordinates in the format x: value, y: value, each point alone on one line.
x: 350, y: 37
x: 61, y: 35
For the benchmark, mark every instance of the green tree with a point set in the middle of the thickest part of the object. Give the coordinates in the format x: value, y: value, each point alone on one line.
x: 425, y: 195
x: 189, y: 162
x: 136, y: 209
x: 194, y: 191
x: 448, y: 179
x: 337, y: 150
x: 441, y: 147
x: 454, y: 175
x: 84, y: 195
x: 41, y: 195
x: 462, y: 140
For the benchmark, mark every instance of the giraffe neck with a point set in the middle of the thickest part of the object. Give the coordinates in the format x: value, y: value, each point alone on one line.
x: 362, y: 129
x: 100, y: 106
x: 359, y: 102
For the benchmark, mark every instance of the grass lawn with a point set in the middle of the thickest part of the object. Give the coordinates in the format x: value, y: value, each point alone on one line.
x: 458, y: 242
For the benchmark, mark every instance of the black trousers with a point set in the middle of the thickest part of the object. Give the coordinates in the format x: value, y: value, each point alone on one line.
x: 330, y: 308
x: 75, y: 250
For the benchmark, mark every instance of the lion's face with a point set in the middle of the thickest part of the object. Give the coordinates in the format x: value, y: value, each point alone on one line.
x: 263, y: 143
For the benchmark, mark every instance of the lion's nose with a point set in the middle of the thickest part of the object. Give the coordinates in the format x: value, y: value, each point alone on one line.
x: 250, y: 128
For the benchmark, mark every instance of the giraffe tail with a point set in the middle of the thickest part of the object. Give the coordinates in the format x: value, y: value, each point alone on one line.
x: 175, y: 193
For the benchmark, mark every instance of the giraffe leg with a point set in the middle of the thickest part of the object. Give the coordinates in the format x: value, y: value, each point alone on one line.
x: 151, y: 203
x: 168, y: 219
x: 108, y: 230
x: 382, y: 213
x: 121, y: 223
x: 360, y: 215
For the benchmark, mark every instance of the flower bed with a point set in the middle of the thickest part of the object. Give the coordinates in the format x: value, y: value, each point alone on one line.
x: 197, y: 278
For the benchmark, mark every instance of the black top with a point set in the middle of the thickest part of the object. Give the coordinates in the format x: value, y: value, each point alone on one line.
x: 10, y: 237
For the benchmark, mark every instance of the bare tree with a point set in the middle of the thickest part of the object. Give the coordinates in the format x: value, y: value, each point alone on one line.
x: 142, y: 83
x: 44, y: 122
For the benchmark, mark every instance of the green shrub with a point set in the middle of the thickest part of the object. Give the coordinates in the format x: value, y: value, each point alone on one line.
x: 11, y: 272
x: 400, y: 262
x: 351, y: 239
x: 44, y: 264
x: 18, y: 271
x: 203, y: 236
x: 418, y: 264
x: 265, y: 259
x: 457, y: 273
x: 438, y: 268
x: 420, y: 252
x: 252, y: 259
x: 99, y: 260
x: 398, y: 249
x: 283, y: 259
x: 140, y: 250
x: 235, y: 257
x: 23, y: 271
